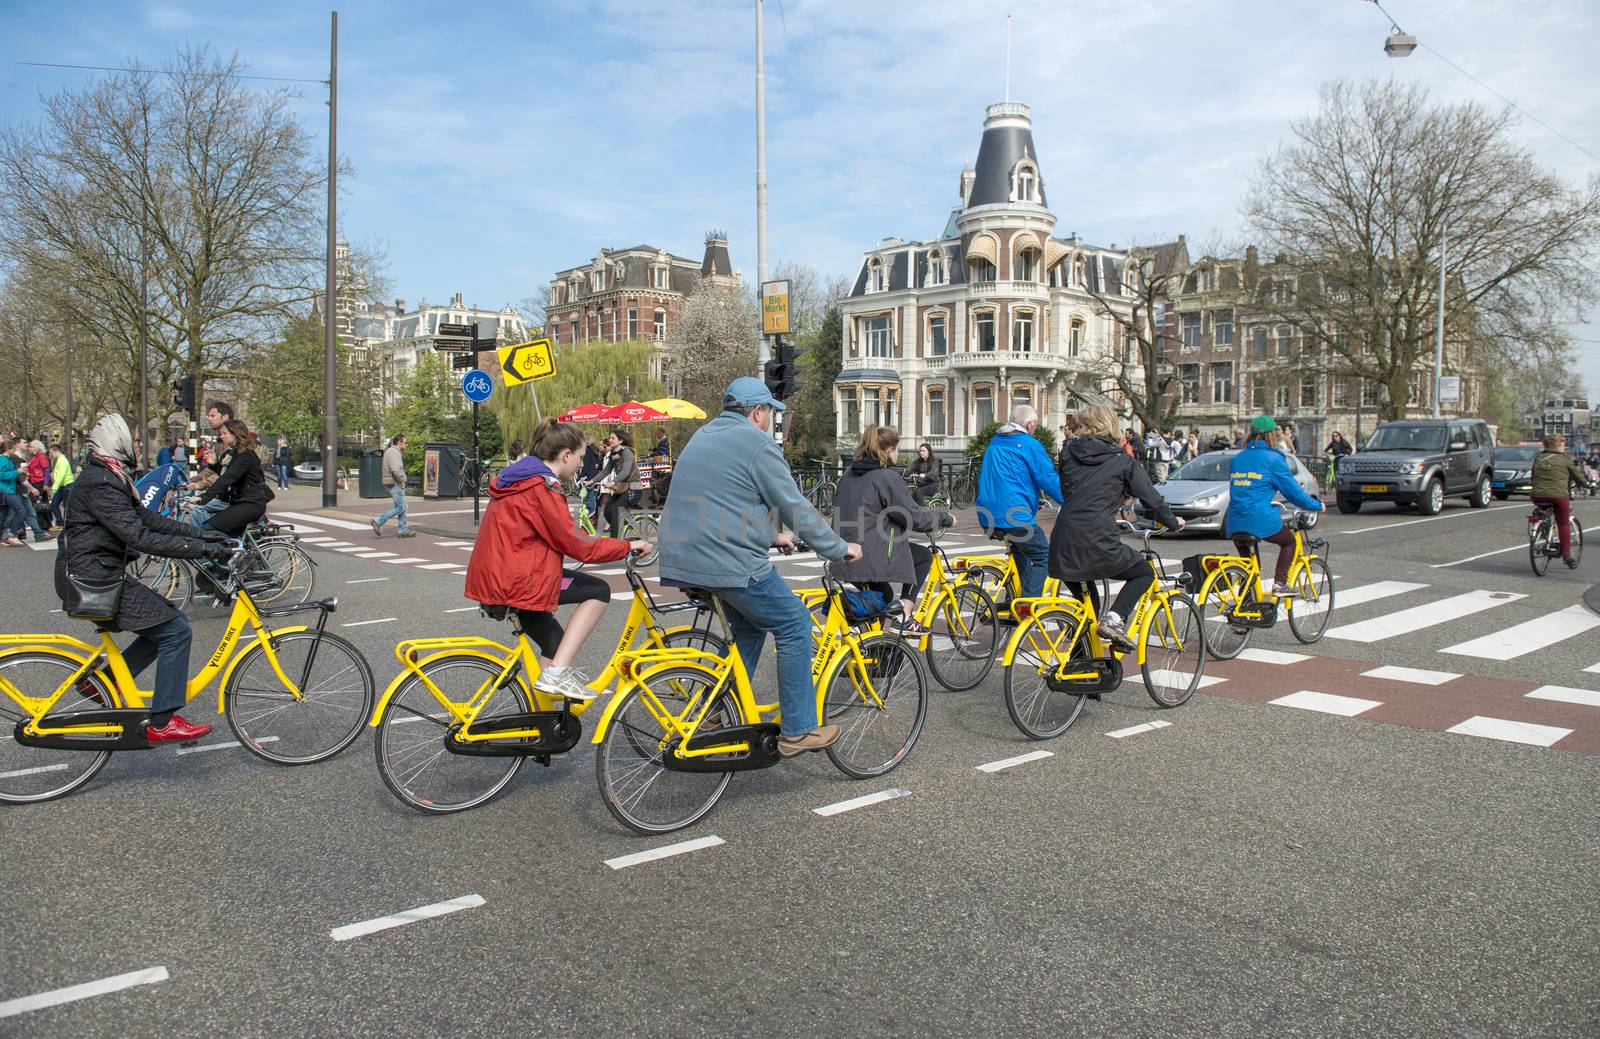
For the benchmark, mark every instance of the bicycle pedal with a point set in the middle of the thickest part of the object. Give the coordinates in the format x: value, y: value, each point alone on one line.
x: 187, y: 743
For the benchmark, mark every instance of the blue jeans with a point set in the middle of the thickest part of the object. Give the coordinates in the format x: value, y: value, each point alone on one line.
x: 167, y: 644
x: 283, y: 475
x: 19, y: 510
x: 1031, y: 549
x: 201, y: 515
x: 766, y: 605
x: 398, y: 493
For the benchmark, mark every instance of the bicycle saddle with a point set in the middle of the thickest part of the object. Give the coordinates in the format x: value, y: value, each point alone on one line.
x: 495, y: 611
x: 1245, y: 540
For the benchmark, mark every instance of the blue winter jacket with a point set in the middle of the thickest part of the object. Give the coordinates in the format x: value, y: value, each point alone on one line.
x: 1257, y: 474
x: 1015, y: 470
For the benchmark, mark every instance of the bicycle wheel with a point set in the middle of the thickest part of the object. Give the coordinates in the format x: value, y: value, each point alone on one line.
x: 410, y: 748
x: 963, y: 489
x: 1577, y: 540
x: 168, y: 578
x: 1174, y: 651
x: 993, y: 579
x: 879, y: 707
x: 1043, y: 642
x: 41, y: 773
x: 964, y: 638
x: 644, y: 528
x: 280, y: 573
x: 1539, y: 547
x: 638, y: 790
x: 1313, y: 587
x: 824, y: 497
x: 1230, y: 589
x: 335, y: 698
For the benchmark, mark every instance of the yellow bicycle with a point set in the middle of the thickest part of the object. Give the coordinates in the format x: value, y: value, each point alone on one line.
x: 292, y: 696
x: 456, y: 724
x: 1056, y: 659
x: 685, y: 720
x: 1231, y: 582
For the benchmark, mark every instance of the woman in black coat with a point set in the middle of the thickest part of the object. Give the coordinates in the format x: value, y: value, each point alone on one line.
x: 242, y: 486
x: 1097, y: 475
x: 873, y: 508
x: 105, y: 526
x: 924, y: 474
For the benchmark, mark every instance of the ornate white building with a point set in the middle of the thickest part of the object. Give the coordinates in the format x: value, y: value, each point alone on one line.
x: 942, y: 336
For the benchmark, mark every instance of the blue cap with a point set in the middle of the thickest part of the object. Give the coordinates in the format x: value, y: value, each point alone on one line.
x: 747, y: 392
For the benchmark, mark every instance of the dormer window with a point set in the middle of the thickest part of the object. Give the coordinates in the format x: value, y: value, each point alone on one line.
x: 1025, y: 183
x: 936, y: 275
x: 1078, y: 271
x: 875, y: 276
x: 658, y: 277
x: 597, y: 281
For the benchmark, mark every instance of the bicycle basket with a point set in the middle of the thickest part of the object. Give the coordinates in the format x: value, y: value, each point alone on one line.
x: 860, y: 605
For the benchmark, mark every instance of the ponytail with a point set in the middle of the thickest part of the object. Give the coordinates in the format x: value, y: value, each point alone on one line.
x: 551, y: 437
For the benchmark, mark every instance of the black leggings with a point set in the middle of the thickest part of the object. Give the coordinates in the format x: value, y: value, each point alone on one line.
x: 542, y: 627
x: 921, y: 561
x: 613, y: 510
x: 1137, y: 580
x: 233, y: 519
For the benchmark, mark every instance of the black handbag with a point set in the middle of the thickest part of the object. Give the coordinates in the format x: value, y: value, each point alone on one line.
x: 97, y: 600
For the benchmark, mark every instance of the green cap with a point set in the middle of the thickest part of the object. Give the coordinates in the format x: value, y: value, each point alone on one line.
x: 1263, y: 424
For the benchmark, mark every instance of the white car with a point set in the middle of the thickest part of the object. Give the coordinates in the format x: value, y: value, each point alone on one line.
x: 1198, y: 490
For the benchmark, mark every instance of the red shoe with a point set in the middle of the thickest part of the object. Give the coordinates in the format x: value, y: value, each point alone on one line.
x: 176, y: 729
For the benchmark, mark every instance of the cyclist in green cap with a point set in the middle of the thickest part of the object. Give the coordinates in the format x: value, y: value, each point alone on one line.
x: 1257, y: 475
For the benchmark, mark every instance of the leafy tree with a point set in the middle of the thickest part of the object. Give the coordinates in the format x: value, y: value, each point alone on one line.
x: 284, y: 384
x: 586, y: 373
x: 713, y: 344
x: 427, y: 407
x: 809, y: 428
x: 978, y: 443
x: 1135, y: 362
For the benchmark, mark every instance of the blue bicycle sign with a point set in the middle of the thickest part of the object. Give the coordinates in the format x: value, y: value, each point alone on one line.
x: 477, y: 385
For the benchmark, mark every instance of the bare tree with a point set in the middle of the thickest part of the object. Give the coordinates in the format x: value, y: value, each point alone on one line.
x: 1359, y: 204
x: 713, y: 344
x: 1135, y: 362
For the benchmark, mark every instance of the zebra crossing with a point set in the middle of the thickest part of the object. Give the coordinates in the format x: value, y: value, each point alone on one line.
x: 322, y: 532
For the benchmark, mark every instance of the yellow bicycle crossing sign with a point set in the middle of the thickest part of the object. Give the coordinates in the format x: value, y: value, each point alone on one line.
x: 527, y: 362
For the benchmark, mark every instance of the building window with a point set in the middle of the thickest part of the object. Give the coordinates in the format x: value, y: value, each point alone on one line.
x: 1258, y: 342
x: 1414, y: 389
x: 847, y: 408
x: 1078, y: 271
x: 878, y: 405
x: 1308, y: 392
x: 983, y: 334
x: 1280, y: 398
x: 878, y: 341
x: 1370, y: 394
x: 982, y: 406
x: 936, y: 268
x: 1222, y: 383
x: 875, y: 282
x: 1208, y: 279
x: 660, y: 330
x: 982, y: 270
x: 1021, y: 393
x: 1189, y: 383
x: 658, y: 277
x: 936, y: 416
x: 1258, y: 393
x: 1027, y: 184
x: 1285, y: 339
x: 1027, y: 265
x: 1222, y: 327
x: 597, y: 281
x: 1022, y: 331
x: 1130, y: 347
x: 938, y: 345
x: 1191, y: 331
x: 1340, y: 390
x: 574, y: 328
x: 1074, y: 337
x: 633, y: 323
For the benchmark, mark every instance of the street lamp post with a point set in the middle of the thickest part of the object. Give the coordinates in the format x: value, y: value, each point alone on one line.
x: 1438, y: 341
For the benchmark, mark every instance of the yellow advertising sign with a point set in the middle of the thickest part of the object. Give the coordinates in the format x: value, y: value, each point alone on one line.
x: 774, y: 307
x: 527, y: 362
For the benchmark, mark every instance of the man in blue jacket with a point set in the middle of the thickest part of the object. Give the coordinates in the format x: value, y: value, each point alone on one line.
x: 1015, y: 471
x: 1257, y: 474
x: 730, y: 489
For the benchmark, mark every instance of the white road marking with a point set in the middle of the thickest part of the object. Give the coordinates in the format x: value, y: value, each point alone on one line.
x: 451, y: 544
x: 1593, y: 669
x: 620, y: 596
x: 1179, y: 678
x: 336, y: 544
x: 320, y: 541
x: 862, y: 801
x: 1427, y: 519
x: 665, y: 852
x: 407, y: 559
x: 1395, y: 673
x: 1344, y: 599
x: 463, y: 548
x: 222, y: 746
x: 1270, y: 656
x: 1327, y: 703
x: 815, y: 563
x: 410, y: 916
x: 367, y: 580
x: 1004, y: 763
x: 32, y: 771
x: 369, y: 554
x: 462, y: 609
x: 358, y: 624
x: 1566, y: 694
x: 439, y: 566
x: 43, y: 546
x: 1510, y: 731
x: 1134, y: 730
x: 351, y: 548
x: 72, y: 993
x: 1480, y: 555
x: 614, y: 571
x: 1520, y: 639
x: 327, y: 521
x: 459, y: 573
x: 1425, y: 616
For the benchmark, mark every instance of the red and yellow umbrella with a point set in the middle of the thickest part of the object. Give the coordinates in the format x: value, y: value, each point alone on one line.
x: 585, y: 413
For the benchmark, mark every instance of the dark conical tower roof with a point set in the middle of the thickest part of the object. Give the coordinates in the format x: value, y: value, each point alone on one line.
x: 716, y: 263
x: 1007, y: 140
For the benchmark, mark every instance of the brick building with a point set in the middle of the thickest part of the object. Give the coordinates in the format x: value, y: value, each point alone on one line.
x: 635, y: 293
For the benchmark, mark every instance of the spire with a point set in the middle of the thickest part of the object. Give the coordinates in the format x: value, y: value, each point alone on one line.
x: 1006, y: 150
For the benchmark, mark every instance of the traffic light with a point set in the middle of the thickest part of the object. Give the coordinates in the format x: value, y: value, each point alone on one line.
x: 183, y: 394
x: 782, y: 374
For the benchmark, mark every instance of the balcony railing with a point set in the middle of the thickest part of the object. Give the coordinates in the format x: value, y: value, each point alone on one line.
x: 1007, y: 358
x: 1032, y: 289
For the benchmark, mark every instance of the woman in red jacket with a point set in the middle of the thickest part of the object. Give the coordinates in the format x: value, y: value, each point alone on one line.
x: 516, y: 561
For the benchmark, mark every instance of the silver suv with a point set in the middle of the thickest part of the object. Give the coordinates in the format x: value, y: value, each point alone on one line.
x: 1420, y: 462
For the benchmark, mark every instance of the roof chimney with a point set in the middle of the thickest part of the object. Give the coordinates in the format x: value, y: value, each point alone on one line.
x: 399, y: 307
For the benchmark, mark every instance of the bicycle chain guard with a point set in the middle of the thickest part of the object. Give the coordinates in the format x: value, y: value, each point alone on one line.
x: 559, y: 732
x: 1108, y: 670
x: 763, y: 752
x: 1267, y: 608
x: 131, y: 738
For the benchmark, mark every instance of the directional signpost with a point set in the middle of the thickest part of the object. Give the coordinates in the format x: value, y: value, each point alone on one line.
x: 477, y: 386
x: 527, y: 362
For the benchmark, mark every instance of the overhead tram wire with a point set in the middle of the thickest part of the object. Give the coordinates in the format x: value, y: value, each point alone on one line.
x: 165, y: 72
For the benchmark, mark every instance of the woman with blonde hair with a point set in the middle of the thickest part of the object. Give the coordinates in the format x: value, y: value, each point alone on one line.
x: 873, y: 507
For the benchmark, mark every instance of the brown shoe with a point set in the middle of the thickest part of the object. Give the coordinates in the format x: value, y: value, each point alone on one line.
x: 820, y: 738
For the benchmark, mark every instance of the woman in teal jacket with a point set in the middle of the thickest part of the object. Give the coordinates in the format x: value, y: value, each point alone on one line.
x: 1257, y: 475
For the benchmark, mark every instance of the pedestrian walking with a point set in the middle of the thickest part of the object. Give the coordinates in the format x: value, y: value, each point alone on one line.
x: 394, y: 481
x: 16, y: 498
x: 1158, y: 449
x: 61, y: 479
x: 280, y: 463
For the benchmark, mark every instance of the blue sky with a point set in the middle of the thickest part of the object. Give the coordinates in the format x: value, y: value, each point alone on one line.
x: 497, y: 142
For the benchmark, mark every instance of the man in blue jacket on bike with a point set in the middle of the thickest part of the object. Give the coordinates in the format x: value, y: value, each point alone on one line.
x: 1257, y: 474
x: 1015, y: 471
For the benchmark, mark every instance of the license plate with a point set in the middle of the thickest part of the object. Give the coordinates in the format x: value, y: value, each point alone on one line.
x: 1498, y: 484
x: 1374, y: 488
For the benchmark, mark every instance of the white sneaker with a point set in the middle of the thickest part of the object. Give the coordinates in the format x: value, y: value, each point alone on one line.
x: 568, y: 683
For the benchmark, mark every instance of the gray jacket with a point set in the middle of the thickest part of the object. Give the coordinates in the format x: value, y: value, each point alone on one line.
x: 873, y: 507
x: 730, y: 489
x: 394, y: 467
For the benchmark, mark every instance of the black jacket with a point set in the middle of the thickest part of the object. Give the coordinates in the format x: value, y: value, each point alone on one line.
x: 926, y: 470
x: 105, y: 526
x: 873, y: 507
x: 241, y: 483
x: 1096, y: 477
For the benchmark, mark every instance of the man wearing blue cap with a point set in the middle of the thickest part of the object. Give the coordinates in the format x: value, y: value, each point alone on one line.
x: 730, y: 489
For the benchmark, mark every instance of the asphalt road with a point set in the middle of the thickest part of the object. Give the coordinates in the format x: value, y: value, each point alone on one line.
x: 1249, y: 869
